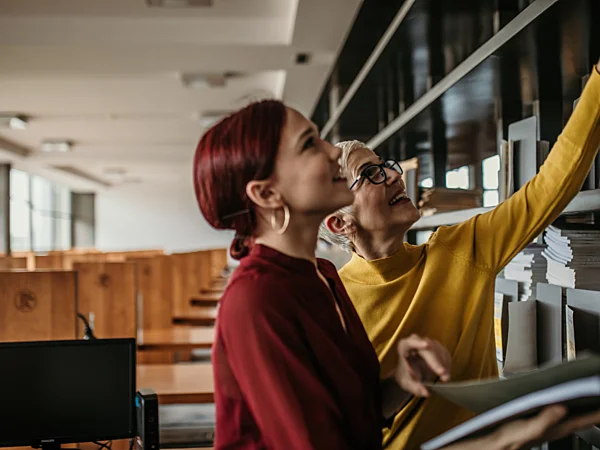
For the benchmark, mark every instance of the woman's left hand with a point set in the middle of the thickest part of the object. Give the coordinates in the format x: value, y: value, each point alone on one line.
x: 421, y: 360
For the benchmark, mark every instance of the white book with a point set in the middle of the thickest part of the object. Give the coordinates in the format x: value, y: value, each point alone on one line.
x: 578, y: 395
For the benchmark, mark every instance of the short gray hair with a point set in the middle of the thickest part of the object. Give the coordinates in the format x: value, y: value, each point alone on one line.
x: 325, y: 233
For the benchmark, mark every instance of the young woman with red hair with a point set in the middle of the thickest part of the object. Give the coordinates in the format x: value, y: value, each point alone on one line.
x: 293, y: 366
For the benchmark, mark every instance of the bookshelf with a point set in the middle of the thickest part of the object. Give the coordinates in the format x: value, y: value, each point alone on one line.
x: 585, y: 201
x: 442, y: 82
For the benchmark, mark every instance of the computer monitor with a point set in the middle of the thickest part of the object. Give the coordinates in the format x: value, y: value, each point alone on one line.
x: 56, y: 392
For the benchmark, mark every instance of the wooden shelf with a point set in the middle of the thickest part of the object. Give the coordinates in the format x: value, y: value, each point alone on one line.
x: 584, y: 202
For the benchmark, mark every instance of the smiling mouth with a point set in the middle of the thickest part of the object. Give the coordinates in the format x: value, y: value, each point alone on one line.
x: 398, y: 198
x: 339, y: 177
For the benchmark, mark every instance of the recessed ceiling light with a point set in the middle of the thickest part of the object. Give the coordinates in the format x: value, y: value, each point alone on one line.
x: 57, y: 146
x: 203, y: 80
x: 14, y: 122
x: 208, y: 80
x: 302, y: 58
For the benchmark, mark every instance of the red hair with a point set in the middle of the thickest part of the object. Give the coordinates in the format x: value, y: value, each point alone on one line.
x: 240, y: 148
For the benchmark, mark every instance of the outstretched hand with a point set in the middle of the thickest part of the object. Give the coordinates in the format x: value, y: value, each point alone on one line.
x: 547, y: 426
x: 421, y: 360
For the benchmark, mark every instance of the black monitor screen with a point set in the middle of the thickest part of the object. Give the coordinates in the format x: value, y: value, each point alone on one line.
x: 69, y: 391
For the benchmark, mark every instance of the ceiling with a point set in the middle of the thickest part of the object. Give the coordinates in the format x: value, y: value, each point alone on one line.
x: 108, y: 76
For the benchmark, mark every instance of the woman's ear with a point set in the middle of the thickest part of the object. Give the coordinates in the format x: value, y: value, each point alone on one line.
x: 343, y: 224
x: 260, y: 192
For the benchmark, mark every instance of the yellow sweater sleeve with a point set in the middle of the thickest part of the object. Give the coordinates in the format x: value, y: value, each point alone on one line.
x: 492, y: 239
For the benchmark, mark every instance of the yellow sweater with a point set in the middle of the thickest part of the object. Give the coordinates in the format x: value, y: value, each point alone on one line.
x: 444, y: 288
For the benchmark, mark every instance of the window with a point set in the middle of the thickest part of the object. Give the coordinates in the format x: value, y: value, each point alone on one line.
x: 458, y: 178
x: 40, y: 214
x: 426, y: 182
x: 423, y: 236
x: 62, y: 228
x: 491, y: 170
x: 20, y: 211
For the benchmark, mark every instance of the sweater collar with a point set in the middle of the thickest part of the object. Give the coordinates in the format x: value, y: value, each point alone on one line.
x: 385, y: 269
x: 297, y: 265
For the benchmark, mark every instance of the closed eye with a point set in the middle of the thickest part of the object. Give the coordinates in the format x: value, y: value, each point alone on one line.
x: 309, y: 143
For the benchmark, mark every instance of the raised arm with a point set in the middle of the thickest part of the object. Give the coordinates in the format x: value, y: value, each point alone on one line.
x: 274, y: 369
x: 491, y: 240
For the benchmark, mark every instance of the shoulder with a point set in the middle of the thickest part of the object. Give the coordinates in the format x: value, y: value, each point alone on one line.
x: 256, y: 290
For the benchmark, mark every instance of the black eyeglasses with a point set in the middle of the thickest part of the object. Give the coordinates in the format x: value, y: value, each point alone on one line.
x: 375, y: 173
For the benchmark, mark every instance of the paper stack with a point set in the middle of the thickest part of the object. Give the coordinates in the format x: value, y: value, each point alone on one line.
x: 527, y: 268
x: 573, y: 257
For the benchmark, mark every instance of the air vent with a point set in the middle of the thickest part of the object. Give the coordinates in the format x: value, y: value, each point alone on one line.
x: 57, y: 146
x: 180, y: 3
x: 302, y: 58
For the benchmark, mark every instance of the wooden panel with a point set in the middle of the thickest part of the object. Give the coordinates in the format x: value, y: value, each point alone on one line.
x: 109, y: 291
x: 203, y: 269
x: 191, y: 273
x: 69, y: 260
x: 135, y: 254
x: 50, y: 261
x: 16, y: 262
x: 156, y: 289
x: 37, y: 305
x: 197, y: 316
x: 206, y: 299
x: 218, y: 261
x: 23, y: 260
x: 156, y: 307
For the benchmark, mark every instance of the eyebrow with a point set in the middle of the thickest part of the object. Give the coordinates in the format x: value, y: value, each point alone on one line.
x: 305, y: 133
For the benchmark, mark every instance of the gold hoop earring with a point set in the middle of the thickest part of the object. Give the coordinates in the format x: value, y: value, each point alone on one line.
x: 286, y: 220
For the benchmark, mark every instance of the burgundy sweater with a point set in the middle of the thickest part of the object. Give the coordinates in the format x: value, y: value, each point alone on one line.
x: 287, y: 375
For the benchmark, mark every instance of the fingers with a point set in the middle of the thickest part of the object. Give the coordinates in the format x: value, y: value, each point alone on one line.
x: 421, y: 359
x: 412, y: 344
x: 436, y: 362
x: 413, y: 386
x: 527, y: 432
x: 434, y: 354
x: 546, y: 419
x: 576, y: 423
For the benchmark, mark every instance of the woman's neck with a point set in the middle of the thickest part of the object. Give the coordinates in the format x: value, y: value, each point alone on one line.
x: 372, y: 246
x: 297, y: 241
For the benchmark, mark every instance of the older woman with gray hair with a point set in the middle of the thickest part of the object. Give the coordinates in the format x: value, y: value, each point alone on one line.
x: 444, y: 288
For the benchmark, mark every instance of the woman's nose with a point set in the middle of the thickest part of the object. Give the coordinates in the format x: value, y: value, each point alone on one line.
x: 392, y: 176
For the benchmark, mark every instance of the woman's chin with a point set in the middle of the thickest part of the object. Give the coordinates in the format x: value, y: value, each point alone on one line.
x: 406, y: 214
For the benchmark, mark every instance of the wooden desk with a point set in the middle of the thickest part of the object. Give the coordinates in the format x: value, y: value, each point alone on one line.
x: 198, y: 316
x: 206, y: 299
x: 213, y: 290
x: 176, y: 338
x: 178, y: 383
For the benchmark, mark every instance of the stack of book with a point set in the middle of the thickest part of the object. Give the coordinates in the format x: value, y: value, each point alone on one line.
x: 573, y: 257
x: 438, y: 200
x: 528, y: 268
